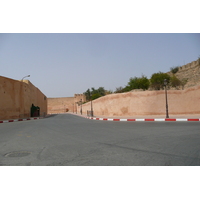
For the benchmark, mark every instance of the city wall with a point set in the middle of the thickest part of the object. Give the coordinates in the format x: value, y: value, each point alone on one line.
x: 65, y: 104
x: 191, y: 72
x: 140, y: 102
x: 17, y: 97
x: 146, y: 103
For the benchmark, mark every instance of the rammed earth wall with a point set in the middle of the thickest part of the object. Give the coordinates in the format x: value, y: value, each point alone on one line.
x: 147, y: 103
x: 17, y: 97
x: 65, y: 104
x: 191, y: 72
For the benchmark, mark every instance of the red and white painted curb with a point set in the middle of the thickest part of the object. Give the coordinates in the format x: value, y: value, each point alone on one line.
x: 145, y: 120
x: 17, y: 120
x: 142, y: 120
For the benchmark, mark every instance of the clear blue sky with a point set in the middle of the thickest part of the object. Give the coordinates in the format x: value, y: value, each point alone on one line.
x: 61, y: 65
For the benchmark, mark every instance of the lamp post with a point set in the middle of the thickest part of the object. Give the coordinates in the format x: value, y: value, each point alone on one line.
x: 91, y: 107
x: 25, y: 77
x: 81, y: 106
x: 165, y: 84
x: 76, y: 103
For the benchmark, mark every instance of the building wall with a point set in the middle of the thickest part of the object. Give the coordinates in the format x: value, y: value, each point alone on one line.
x: 17, y: 97
x: 146, y: 103
x: 64, y: 104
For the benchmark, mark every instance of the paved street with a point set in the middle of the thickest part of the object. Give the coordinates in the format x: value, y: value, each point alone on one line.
x: 69, y: 140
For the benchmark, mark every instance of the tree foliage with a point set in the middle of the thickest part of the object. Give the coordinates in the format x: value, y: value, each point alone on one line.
x: 135, y: 83
x: 157, y: 80
x: 138, y: 83
x: 87, y: 94
x: 94, y: 93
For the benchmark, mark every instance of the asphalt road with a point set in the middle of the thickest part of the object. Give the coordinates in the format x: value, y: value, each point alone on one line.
x: 69, y: 140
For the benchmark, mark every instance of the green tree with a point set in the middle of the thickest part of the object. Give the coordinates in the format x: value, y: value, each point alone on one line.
x: 87, y: 94
x: 138, y: 83
x: 144, y: 83
x: 95, y: 96
x: 133, y: 83
x: 157, y: 80
x: 101, y: 91
x: 94, y: 93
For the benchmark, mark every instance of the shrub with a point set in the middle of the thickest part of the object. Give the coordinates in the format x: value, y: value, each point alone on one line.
x: 137, y: 83
x: 157, y: 80
x: 183, y: 82
x: 175, y: 82
x: 174, y: 70
x: 95, y: 96
x: 119, y: 89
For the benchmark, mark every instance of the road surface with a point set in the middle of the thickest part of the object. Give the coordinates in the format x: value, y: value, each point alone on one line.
x: 69, y: 140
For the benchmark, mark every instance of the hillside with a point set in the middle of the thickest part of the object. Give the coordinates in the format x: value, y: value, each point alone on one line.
x: 191, y: 72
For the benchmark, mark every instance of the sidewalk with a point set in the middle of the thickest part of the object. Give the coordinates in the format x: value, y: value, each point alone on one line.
x: 186, y: 117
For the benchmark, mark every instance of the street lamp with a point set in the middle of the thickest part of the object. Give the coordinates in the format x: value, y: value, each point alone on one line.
x: 165, y: 84
x: 91, y: 107
x: 25, y: 77
x: 81, y: 106
x: 76, y: 103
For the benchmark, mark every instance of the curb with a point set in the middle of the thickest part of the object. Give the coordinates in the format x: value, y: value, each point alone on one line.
x: 17, y: 120
x: 142, y: 120
x: 145, y: 120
